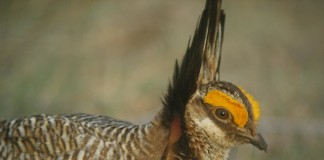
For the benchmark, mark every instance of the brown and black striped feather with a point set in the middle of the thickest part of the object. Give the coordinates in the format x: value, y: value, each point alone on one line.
x: 79, y: 136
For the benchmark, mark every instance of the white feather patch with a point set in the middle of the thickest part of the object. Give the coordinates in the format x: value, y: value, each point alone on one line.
x: 210, y: 127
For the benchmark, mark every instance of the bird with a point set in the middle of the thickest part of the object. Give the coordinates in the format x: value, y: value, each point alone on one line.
x: 202, y: 117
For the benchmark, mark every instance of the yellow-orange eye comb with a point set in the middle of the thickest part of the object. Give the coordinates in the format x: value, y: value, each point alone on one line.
x: 220, y: 99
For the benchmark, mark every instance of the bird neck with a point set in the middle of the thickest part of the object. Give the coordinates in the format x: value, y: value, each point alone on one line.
x: 149, y: 139
x: 201, y: 147
x: 185, y: 140
x: 192, y: 145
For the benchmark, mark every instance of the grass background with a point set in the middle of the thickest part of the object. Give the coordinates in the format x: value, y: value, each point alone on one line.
x: 116, y: 57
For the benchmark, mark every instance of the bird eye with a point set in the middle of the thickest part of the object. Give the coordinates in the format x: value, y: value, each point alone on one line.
x: 222, y: 113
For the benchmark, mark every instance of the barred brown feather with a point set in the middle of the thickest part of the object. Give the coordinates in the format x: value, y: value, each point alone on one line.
x: 79, y: 136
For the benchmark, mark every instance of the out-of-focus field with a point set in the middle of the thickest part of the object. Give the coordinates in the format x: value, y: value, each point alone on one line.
x: 115, y: 57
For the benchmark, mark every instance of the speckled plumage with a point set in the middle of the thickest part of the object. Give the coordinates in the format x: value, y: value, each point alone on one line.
x: 187, y: 128
x: 79, y: 136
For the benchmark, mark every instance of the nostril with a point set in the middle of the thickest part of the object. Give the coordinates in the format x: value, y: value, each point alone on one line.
x: 251, y: 128
x: 252, y: 131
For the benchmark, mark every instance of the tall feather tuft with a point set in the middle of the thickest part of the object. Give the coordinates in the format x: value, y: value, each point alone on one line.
x: 201, y: 62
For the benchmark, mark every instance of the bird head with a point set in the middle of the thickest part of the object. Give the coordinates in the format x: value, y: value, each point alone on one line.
x: 225, y: 113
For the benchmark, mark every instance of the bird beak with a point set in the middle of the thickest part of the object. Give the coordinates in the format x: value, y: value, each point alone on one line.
x: 259, y: 142
x: 250, y: 134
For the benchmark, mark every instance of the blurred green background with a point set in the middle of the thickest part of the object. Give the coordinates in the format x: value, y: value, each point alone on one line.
x: 115, y: 57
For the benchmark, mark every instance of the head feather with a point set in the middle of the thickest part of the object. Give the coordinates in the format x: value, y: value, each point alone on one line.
x: 201, y: 62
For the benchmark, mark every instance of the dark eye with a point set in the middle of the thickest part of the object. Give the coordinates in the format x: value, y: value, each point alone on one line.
x: 222, y: 113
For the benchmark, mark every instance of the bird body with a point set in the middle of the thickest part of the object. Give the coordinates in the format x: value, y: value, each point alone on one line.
x: 80, y: 136
x: 202, y: 117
